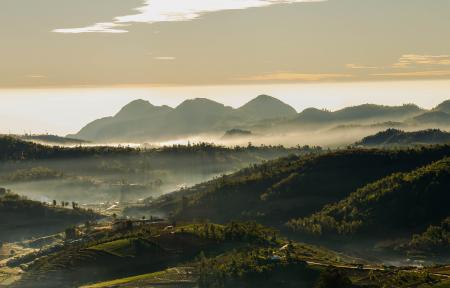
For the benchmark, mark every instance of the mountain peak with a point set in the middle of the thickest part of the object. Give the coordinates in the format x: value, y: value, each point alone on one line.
x: 201, y: 105
x: 443, y: 107
x: 266, y: 107
x: 135, y: 107
x: 265, y: 97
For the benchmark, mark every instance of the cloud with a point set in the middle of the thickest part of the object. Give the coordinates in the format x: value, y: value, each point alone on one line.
x: 167, y: 58
x: 106, y: 27
x: 287, y: 76
x: 435, y: 73
x: 357, y: 66
x: 36, y: 76
x: 409, y: 60
x: 175, y: 10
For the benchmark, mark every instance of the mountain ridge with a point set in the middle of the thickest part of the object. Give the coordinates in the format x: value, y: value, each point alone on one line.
x: 140, y: 120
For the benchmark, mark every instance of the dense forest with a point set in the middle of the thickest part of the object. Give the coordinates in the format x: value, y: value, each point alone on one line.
x: 435, y: 240
x: 291, y: 187
x: 402, y: 202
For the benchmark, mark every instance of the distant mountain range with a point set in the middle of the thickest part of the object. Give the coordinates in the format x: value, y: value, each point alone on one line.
x: 142, y: 121
x: 365, y: 113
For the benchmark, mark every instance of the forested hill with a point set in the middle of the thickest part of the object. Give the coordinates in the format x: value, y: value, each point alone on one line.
x: 39, y: 219
x: 12, y: 148
x: 402, y: 202
x: 15, y: 149
x: 436, y: 239
x: 291, y: 187
x: 394, y: 137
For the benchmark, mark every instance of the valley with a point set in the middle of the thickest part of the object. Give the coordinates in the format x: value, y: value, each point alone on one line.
x: 370, y: 214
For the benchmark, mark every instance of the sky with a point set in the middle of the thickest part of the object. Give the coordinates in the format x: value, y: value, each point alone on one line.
x: 98, y: 43
x: 64, y: 63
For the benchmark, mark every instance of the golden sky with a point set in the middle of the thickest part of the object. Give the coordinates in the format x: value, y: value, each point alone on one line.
x: 66, y: 43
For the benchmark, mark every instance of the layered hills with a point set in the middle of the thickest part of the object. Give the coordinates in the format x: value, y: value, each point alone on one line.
x: 289, y: 188
x: 141, y: 121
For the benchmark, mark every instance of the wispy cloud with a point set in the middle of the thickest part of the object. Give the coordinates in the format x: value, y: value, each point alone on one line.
x: 358, y: 66
x: 435, y: 73
x: 287, y: 76
x: 36, y: 76
x: 175, y: 10
x: 166, y: 58
x: 106, y: 27
x: 411, y: 60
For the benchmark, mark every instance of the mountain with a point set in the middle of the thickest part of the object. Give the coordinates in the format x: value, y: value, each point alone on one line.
x: 365, y: 113
x: 277, y: 191
x: 314, y: 116
x: 394, y: 137
x: 194, y: 116
x: 140, y: 109
x: 432, y: 118
x: 402, y: 202
x: 443, y: 107
x: 265, y: 107
x: 130, y: 122
x: 140, y: 120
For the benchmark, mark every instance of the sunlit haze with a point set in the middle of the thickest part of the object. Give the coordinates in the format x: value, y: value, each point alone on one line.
x: 64, y: 111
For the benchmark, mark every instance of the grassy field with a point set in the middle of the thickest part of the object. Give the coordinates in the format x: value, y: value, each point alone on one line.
x: 128, y: 247
x: 176, y: 277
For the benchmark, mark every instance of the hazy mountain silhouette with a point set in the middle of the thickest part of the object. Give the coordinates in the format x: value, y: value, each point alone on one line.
x: 142, y: 121
x: 140, y: 109
x: 195, y: 116
x: 443, y: 107
x: 432, y: 118
x: 130, y: 122
x: 265, y: 107
x: 363, y: 112
x: 398, y: 137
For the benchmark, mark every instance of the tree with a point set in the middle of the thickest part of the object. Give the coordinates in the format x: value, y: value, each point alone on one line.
x: 333, y: 278
x: 71, y: 233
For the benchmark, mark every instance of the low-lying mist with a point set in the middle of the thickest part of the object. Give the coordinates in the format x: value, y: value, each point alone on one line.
x: 129, y: 177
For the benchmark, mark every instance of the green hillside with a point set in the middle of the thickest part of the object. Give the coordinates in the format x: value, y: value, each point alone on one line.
x: 435, y: 240
x: 399, y: 203
x: 291, y: 187
x: 23, y: 218
x: 207, y: 255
